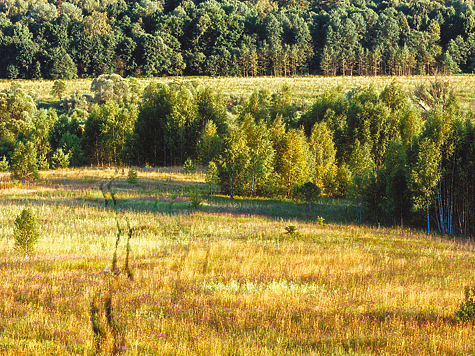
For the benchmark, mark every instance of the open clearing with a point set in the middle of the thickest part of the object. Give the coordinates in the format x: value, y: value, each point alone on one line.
x: 302, y: 88
x: 223, y: 279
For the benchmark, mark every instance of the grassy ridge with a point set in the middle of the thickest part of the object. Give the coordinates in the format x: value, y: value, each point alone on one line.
x: 224, y: 279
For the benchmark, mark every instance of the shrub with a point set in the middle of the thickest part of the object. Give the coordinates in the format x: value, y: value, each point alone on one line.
x: 59, y: 87
x: 189, y: 166
x: 60, y: 159
x: 467, y: 308
x: 26, y: 232
x: 291, y: 230
x: 309, y: 192
x: 43, y: 163
x: 195, y: 196
x: 4, y: 165
x: 132, y: 176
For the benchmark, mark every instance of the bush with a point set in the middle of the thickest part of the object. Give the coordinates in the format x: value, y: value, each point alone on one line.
x: 291, y: 230
x: 189, y: 166
x: 26, y: 233
x: 309, y: 192
x: 132, y: 176
x: 467, y: 308
x: 59, y: 159
x: 43, y: 162
x: 195, y: 196
x: 59, y: 87
x: 4, y: 165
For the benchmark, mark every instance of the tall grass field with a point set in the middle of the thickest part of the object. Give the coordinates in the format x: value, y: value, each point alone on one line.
x: 303, y: 89
x: 230, y: 277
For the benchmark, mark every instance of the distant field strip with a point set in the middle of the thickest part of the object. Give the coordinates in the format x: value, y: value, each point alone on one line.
x: 301, y: 87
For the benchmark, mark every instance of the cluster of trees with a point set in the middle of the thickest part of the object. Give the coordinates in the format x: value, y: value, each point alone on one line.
x: 403, y: 158
x: 410, y: 158
x: 54, y: 40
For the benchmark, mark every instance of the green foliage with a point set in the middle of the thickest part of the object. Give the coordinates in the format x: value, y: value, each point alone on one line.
x: 234, y: 161
x: 62, y: 66
x: 294, y: 163
x: 309, y: 192
x: 166, y: 130
x: 106, y: 130
x: 211, y: 177
x: 343, y: 180
x: 466, y: 311
x: 209, y: 143
x: 43, y: 163
x: 4, y: 165
x: 132, y: 177
x: 323, y: 155
x: 189, y: 166
x: 425, y: 176
x: 153, y: 38
x: 60, y: 159
x: 26, y: 232
x: 291, y: 230
x: 12, y: 71
x: 110, y: 87
x: 24, y: 161
x: 196, y: 196
x: 59, y: 88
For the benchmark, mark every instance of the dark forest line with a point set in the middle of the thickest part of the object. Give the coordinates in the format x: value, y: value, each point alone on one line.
x: 86, y: 38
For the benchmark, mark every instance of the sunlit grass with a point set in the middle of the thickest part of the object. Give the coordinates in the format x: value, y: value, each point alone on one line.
x: 303, y: 89
x: 223, y: 279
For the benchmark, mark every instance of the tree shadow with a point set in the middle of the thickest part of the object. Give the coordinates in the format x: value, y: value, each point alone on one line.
x: 172, y: 198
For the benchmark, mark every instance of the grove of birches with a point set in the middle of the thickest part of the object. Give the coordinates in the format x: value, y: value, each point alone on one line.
x: 403, y: 158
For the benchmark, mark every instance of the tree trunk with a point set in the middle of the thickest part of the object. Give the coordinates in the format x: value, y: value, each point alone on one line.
x: 428, y: 225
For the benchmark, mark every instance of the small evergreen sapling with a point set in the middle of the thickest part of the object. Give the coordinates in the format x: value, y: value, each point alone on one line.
x: 189, y: 166
x: 467, y: 308
x: 195, y: 196
x: 60, y: 159
x: 4, y: 165
x: 310, y: 192
x: 26, y: 233
x: 59, y: 87
x: 132, y: 176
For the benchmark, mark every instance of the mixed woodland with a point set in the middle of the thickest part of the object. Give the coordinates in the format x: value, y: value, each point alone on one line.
x: 404, y: 158
x: 87, y: 38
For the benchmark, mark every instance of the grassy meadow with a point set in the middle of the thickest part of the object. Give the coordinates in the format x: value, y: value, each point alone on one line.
x: 303, y: 89
x: 223, y: 279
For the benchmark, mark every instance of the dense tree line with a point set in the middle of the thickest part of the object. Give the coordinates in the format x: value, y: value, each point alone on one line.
x: 54, y: 40
x: 403, y: 158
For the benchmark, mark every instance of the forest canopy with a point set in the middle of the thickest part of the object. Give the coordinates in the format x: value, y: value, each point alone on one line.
x: 64, y: 40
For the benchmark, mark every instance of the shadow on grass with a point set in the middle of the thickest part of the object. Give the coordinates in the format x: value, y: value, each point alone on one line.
x: 165, y: 198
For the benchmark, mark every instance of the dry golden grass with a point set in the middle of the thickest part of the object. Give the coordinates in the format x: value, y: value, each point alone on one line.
x: 230, y: 283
